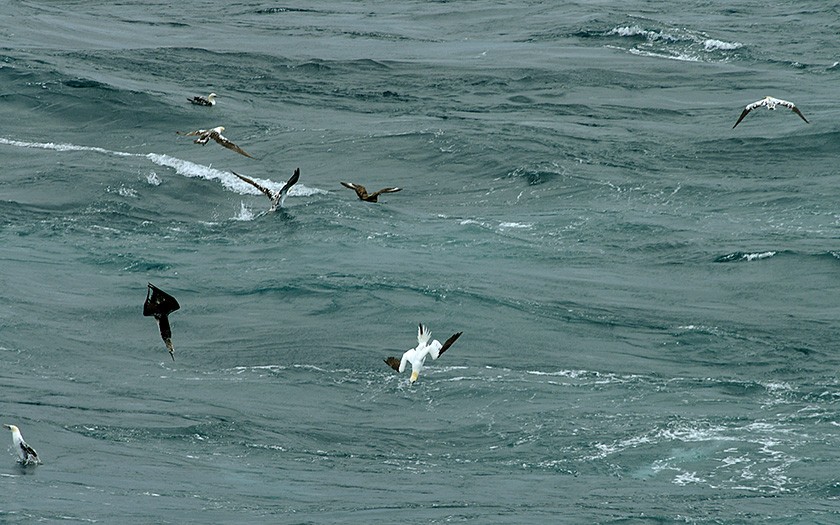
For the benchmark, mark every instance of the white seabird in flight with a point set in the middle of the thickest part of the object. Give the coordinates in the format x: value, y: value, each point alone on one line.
x: 770, y: 103
x: 209, y: 100
x: 277, y: 197
x: 26, y: 453
x: 216, y: 134
x: 417, y: 356
x: 362, y: 193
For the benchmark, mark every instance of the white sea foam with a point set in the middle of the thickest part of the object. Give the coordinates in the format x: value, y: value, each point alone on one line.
x: 711, y: 44
x: 245, y: 214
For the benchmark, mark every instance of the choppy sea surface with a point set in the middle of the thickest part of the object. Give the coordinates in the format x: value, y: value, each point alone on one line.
x: 648, y: 296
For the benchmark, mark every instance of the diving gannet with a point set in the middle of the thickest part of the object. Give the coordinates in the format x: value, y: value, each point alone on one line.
x: 416, y: 356
x: 210, y: 100
x: 216, y: 134
x: 160, y: 304
x: 26, y: 453
x: 363, y: 194
x: 770, y: 103
x: 277, y: 197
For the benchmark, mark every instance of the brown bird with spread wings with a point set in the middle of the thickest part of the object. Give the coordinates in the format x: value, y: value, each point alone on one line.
x: 216, y: 134
x: 363, y: 194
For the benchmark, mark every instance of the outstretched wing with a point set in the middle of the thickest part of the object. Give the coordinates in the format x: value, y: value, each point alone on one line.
x: 423, y: 334
x: 743, y: 114
x: 159, y: 303
x: 385, y: 190
x: 292, y: 181
x: 192, y: 133
x: 796, y: 110
x: 360, y: 190
x: 449, y: 343
x: 394, y: 363
x: 218, y: 137
x: 255, y: 184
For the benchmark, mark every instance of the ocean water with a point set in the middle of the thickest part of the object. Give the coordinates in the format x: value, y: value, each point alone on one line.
x: 648, y: 296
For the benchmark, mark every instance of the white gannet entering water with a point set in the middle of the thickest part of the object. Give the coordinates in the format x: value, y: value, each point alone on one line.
x: 417, y: 356
x: 216, y: 134
x: 770, y: 103
x: 160, y: 304
x: 25, y: 453
x: 277, y: 197
x: 362, y: 193
x: 209, y: 100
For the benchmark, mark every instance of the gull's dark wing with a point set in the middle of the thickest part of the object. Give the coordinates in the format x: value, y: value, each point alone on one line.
x: 743, y: 114
x: 384, y: 190
x: 796, y: 110
x: 159, y: 302
x: 229, y: 145
x: 360, y: 190
x: 449, y: 343
x: 292, y: 180
x: 394, y: 363
x: 28, y: 451
x: 255, y: 184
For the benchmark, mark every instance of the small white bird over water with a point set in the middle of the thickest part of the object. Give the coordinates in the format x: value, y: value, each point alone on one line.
x: 26, y: 453
x: 417, y: 356
x: 209, y: 100
x: 770, y: 103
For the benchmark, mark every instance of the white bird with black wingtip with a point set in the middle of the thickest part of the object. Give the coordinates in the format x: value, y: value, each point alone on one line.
x: 770, y: 103
x: 417, y: 355
x: 26, y: 454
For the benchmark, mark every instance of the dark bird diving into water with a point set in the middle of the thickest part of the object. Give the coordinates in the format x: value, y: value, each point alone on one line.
x: 26, y: 454
x: 417, y: 356
x: 277, y: 197
x: 160, y: 304
x: 363, y: 194
x: 209, y: 100
x: 216, y: 134
x: 770, y: 103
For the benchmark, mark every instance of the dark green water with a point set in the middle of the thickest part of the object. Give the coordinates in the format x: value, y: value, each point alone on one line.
x: 647, y: 296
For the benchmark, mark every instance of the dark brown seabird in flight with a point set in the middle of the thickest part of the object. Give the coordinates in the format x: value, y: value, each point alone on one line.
x: 363, y: 194
x: 160, y: 304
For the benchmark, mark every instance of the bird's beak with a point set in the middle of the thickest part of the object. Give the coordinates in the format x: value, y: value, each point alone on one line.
x: 414, y: 376
x: 8, y: 426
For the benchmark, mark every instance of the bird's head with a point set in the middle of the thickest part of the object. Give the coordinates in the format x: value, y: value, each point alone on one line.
x: 414, y: 374
x: 13, y: 428
x: 212, y: 95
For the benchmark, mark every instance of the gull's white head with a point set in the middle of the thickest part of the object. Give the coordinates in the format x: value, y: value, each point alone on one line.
x: 211, y: 96
x: 219, y: 129
x: 13, y: 428
x: 414, y: 374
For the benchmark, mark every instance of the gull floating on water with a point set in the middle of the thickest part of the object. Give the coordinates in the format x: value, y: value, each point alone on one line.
x: 160, y: 304
x: 216, y: 134
x: 417, y: 356
x: 769, y: 103
x: 277, y: 197
x: 26, y: 453
x: 209, y: 100
x: 363, y: 194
